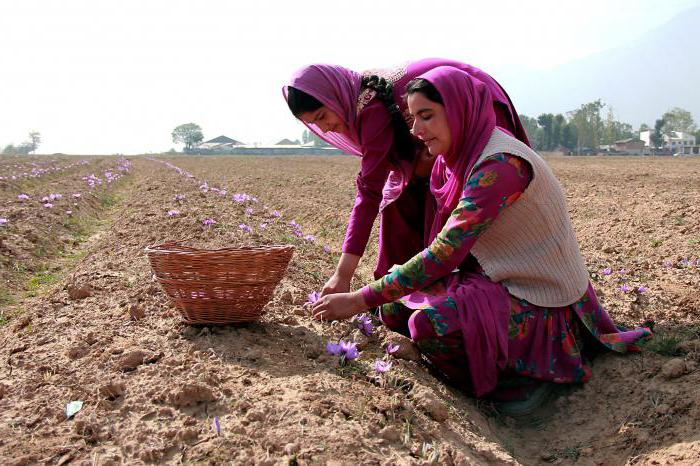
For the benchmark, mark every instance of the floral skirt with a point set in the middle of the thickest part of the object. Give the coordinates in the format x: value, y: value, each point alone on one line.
x: 539, y: 343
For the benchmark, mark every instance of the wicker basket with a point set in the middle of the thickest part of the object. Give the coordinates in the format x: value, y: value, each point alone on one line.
x: 219, y: 286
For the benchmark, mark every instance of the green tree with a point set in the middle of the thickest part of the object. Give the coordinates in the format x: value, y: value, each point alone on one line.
x: 533, y: 131
x: 558, y: 124
x: 644, y: 127
x: 678, y: 119
x: 589, y: 124
x: 569, y: 137
x: 546, y: 121
x: 34, y: 140
x: 616, y: 130
x: 188, y: 134
x: 308, y: 136
x: 9, y: 149
x: 657, y: 138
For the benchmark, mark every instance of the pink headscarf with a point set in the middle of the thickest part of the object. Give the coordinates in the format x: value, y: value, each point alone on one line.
x: 471, y: 118
x: 338, y: 89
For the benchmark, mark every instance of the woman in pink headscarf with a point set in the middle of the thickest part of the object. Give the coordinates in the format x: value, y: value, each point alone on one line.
x: 365, y: 114
x: 502, y: 291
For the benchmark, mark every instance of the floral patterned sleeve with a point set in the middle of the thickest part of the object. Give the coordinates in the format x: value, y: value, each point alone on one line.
x: 497, y: 182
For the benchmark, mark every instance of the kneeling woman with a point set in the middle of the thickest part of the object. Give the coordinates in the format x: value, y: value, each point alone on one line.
x: 502, y: 288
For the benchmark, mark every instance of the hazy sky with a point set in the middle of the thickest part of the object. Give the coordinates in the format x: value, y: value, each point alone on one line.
x: 98, y: 76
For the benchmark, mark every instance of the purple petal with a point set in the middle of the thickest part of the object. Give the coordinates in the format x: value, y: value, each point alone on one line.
x: 333, y: 348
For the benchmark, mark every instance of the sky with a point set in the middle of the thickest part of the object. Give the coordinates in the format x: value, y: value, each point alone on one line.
x: 107, y: 76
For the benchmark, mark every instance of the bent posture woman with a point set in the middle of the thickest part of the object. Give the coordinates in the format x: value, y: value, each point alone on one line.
x: 366, y: 115
x: 502, y: 288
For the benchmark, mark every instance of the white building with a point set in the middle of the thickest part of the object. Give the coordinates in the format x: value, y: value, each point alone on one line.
x: 675, y: 140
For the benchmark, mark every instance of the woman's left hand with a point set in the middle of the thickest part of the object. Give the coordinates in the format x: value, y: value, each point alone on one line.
x: 338, y: 306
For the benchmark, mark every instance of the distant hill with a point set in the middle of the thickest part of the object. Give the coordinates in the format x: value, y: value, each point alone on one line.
x: 640, y: 81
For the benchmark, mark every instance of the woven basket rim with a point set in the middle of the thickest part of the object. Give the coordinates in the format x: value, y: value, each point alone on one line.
x: 179, y: 248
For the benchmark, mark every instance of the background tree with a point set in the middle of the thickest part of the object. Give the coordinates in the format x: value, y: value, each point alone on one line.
x: 616, y: 130
x: 657, y: 137
x: 533, y: 131
x: 34, y: 140
x: 546, y: 121
x: 307, y: 136
x: 589, y: 124
x: 189, y: 134
x: 678, y: 119
x: 644, y: 127
x: 9, y: 149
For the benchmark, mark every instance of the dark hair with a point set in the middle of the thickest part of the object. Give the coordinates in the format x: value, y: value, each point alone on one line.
x: 300, y: 102
x: 403, y: 147
x: 425, y: 87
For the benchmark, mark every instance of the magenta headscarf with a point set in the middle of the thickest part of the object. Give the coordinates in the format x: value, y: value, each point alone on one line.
x: 338, y: 89
x: 471, y: 118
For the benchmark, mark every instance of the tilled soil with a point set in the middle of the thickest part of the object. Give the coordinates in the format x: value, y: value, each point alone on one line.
x: 155, y: 390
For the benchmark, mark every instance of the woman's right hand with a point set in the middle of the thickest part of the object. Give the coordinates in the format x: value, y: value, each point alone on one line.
x: 336, y: 284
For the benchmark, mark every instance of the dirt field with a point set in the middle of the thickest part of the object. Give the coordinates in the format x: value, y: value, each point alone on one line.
x: 83, y: 320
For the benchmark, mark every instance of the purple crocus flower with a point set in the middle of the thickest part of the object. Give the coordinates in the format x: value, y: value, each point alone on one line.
x: 295, y: 225
x: 641, y: 289
x: 276, y: 213
x: 326, y: 249
x: 23, y: 197
x: 364, y: 323
x: 76, y: 195
x: 381, y: 366
x: 173, y: 213
x: 208, y: 221
x: 606, y: 271
x: 622, y: 271
x: 668, y: 263
x: 245, y: 228
x: 625, y: 288
x: 349, y: 350
x: 48, y: 205
x: 215, y: 425
x: 69, y: 212
x: 391, y: 348
x: 684, y: 262
x: 249, y: 211
x: 45, y: 199
x: 3, y: 221
x: 333, y: 349
x: 263, y: 226
x: 297, y: 233
x: 313, y: 297
x: 310, y: 238
x: 179, y: 197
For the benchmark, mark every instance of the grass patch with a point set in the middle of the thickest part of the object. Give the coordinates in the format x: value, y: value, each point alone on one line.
x: 6, y: 298
x: 655, y: 243
x: 665, y: 342
x: 39, y: 280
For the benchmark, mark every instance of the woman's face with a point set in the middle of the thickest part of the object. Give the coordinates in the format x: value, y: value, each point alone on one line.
x: 430, y: 123
x: 326, y: 120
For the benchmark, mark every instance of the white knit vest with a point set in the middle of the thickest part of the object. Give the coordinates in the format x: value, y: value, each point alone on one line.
x: 531, y: 248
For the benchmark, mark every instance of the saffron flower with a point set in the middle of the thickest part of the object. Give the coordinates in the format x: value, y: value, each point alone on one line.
x: 245, y: 228
x: 333, y: 349
x: 208, y: 222
x: 69, y: 212
x: 48, y: 205
x: 297, y: 233
x: 641, y: 289
x: 668, y: 263
x: 45, y: 199
x: 313, y: 297
x: 249, y: 211
x: 364, y: 323
x: 173, y: 213
x: 381, y: 366
x: 276, y: 213
x: 23, y: 197
x: 263, y: 226
x: 347, y: 350
x: 326, y: 249
x: 625, y: 288
x: 3, y: 221
x: 310, y: 238
x: 391, y: 348
x: 179, y: 197
x: 76, y: 195
x: 622, y: 271
x: 295, y: 225
x: 215, y: 425
x: 606, y: 271
x: 684, y: 262
x: 204, y: 187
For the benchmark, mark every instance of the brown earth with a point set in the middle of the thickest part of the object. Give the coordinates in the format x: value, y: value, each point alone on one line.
x: 153, y: 388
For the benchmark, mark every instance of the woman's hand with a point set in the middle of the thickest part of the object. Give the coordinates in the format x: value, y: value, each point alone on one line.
x: 336, y: 284
x: 338, y: 306
x: 424, y: 163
